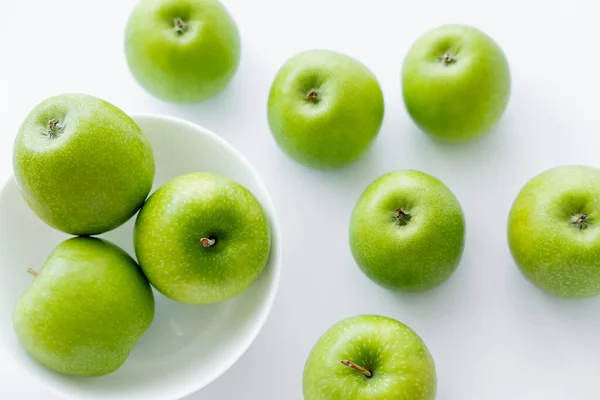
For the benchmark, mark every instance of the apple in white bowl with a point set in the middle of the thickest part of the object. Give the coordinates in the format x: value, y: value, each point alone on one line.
x: 202, y: 238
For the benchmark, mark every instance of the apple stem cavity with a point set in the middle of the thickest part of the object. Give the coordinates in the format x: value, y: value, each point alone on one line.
x: 31, y: 271
x: 312, y: 96
x: 447, y: 58
x: 580, y: 221
x: 402, y: 216
x: 207, y: 242
x: 180, y: 26
x: 358, y: 368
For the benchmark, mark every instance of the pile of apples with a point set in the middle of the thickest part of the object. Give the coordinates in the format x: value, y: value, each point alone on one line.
x: 85, y: 168
x: 325, y: 110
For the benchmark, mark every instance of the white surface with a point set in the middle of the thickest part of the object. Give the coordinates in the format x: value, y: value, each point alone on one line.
x: 493, y: 336
x: 186, y: 347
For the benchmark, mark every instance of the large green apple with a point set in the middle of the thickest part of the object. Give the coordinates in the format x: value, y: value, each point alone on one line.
x: 369, y: 357
x: 202, y: 238
x: 553, y: 231
x: 86, y: 309
x: 325, y: 109
x: 182, y: 51
x: 82, y: 164
x: 407, y: 231
x: 456, y: 83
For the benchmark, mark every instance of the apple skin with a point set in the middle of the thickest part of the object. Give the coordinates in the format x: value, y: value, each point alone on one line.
x: 461, y: 100
x: 170, y: 229
x: 400, y: 363
x: 419, y: 252
x: 182, y: 67
x: 85, y: 311
x: 90, y: 176
x: 546, y: 241
x: 336, y: 126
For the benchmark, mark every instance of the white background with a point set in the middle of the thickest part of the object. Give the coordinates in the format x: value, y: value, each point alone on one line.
x: 493, y: 336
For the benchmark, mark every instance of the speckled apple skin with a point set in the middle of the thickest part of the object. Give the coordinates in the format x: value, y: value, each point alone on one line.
x: 85, y: 311
x: 94, y: 176
x: 182, y: 68
x: 465, y: 99
x: 337, y: 130
x: 401, y: 365
x: 553, y: 254
x: 420, y: 255
x: 174, y: 220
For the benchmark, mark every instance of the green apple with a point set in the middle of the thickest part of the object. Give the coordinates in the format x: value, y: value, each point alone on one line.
x: 325, y: 109
x: 456, y: 83
x: 407, y: 231
x: 82, y: 164
x: 202, y: 238
x: 182, y: 51
x: 85, y: 310
x: 553, y: 231
x: 369, y: 357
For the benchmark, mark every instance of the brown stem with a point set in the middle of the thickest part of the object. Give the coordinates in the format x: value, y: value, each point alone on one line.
x: 312, y: 96
x: 32, y: 272
x: 358, y: 368
x: 179, y: 25
x: 580, y: 221
x: 402, y: 216
x: 52, y: 128
x: 447, y: 59
x: 207, y: 242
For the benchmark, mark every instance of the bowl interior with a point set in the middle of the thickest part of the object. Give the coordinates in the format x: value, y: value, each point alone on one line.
x: 186, y: 346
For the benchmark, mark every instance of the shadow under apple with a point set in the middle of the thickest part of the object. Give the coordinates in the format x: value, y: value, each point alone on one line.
x: 495, y: 144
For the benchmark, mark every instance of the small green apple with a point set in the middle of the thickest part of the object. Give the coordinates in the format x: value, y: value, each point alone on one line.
x: 325, y: 109
x: 85, y: 310
x: 82, y: 164
x: 369, y: 357
x: 456, y: 83
x: 553, y: 231
x: 182, y: 51
x: 202, y: 238
x: 407, y: 231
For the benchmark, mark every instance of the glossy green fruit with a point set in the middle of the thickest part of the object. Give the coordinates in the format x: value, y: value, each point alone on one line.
x: 202, y: 238
x: 83, y: 165
x: 369, y: 357
x: 85, y: 310
x: 182, y: 51
x: 325, y: 109
x: 407, y: 231
x: 456, y: 83
x: 554, y: 231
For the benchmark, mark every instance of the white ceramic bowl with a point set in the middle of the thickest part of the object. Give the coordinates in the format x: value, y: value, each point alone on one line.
x: 187, y: 347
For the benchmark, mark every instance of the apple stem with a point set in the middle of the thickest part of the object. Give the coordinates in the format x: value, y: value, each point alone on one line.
x: 312, y: 96
x: 448, y: 59
x: 580, y: 221
x: 358, y: 368
x: 180, y: 25
x: 207, y: 242
x: 402, y: 216
x: 52, y: 130
x: 32, y: 272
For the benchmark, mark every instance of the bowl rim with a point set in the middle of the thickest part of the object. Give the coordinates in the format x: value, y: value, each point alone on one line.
x: 276, y: 263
